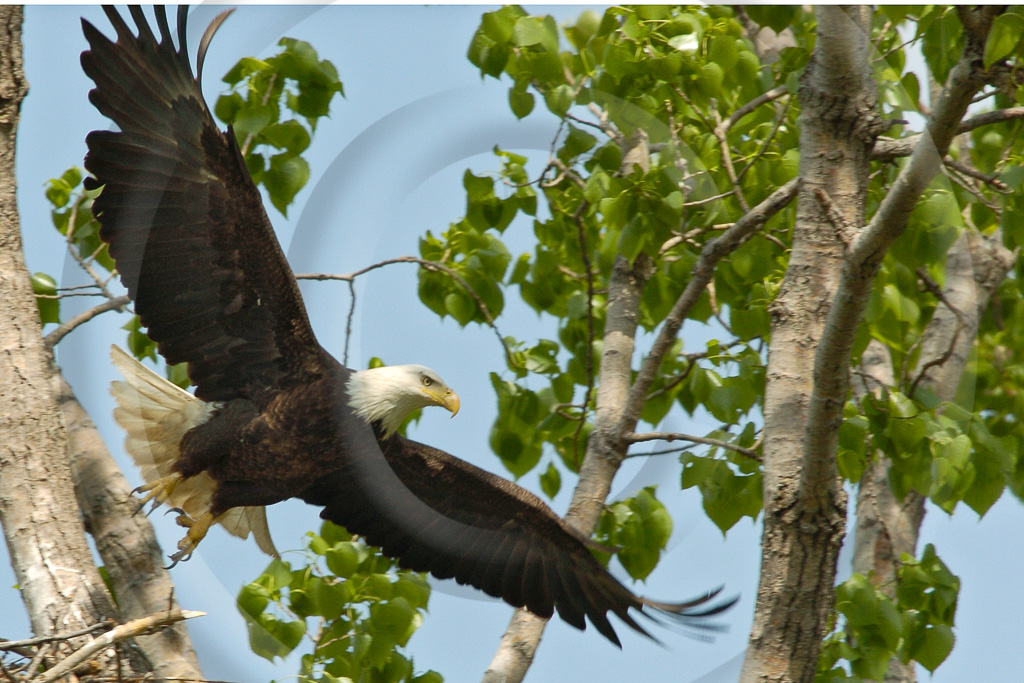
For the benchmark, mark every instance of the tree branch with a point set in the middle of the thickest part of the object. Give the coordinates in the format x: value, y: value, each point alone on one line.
x: 123, y: 632
x: 68, y: 326
x: 671, y: 436
x: 429, y: 265
x: 831, y: 366
x: 703, y: 271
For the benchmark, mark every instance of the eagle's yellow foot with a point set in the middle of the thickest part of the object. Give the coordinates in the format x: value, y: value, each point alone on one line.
x: 158, y: 491
x: 197, y: 529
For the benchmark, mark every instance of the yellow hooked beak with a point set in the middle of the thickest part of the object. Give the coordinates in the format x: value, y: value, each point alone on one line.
x: 444, y: 397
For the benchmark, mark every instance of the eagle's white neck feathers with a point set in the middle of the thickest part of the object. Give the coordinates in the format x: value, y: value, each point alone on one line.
x: 390, y: 394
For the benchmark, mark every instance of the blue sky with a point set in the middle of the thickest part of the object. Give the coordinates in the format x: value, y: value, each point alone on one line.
x: 386, y: 168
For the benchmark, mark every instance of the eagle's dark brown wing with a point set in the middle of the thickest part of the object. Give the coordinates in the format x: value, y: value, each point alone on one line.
x: 470, y: 525
x: 185, y: 223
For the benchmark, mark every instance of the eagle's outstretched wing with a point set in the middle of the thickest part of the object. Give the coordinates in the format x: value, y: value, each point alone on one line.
x: 185, y: 223
x: 465, y: 523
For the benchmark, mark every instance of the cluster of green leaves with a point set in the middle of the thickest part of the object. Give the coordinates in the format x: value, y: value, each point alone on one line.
x: 295, y: 80
x: 938, y: 449
x: 640, y: 526
x: 730, y: 483
x: 669, y: 72
x: 71, y: 214
x: 355, y: 605
x: 915, y: 626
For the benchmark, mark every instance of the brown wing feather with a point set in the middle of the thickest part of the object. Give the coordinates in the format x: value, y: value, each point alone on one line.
x: 185, y: 223
x: 470, y: 525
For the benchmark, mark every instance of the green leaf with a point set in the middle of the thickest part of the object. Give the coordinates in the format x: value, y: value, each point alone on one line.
x: 934, y: 646
x: 290, y: 136
x: 521, y: 102
x: 776, y: 17
x: 551, y: 481
x: 541, y: 31
x: 252, y: 120
x: 343, y: 559
x: 559, y: 99
x: 576, y: 143
x: 283, y: 180
x: 1003, y: 37
x: 46, y: 286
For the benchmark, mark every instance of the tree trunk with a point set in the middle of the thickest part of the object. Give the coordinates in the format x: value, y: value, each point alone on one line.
x: 61, y: 587
x: 125, y: 541
x: 805, y: 506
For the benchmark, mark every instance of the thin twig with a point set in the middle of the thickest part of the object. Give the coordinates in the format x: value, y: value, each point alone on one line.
x: 28, y: 642
x: 997, y: 184
x: 672, y: 436
x: 263, y: 103
x: 53, y: 338
x: 730, y: 170
x: 133, y: 628
x: 589, y: 271
x: 766, y: 143
x: 937, y: 292
x: 584, y: 122
x: 429, y: 265
x: 763, y: 98
x: 348, y: 319
x: 708, y: 200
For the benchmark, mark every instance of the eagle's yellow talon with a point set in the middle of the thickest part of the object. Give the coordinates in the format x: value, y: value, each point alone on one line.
x: 158, y: 491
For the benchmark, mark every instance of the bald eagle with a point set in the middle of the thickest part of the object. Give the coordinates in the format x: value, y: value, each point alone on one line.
x: 273, y: 415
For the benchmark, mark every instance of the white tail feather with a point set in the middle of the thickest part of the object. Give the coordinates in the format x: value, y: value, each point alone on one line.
x: 156, y: 414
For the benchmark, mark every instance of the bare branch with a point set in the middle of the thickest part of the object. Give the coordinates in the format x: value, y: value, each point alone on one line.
x: 887, y: 148
x: 936, y: 291
x: 13, y: 645
x: 730, y: 170
x: 116, y: 304
x: 133, y: 628
x: 429, y: 265
x: 672, y: 436
x: 997, y: 184
x: 763, y: 98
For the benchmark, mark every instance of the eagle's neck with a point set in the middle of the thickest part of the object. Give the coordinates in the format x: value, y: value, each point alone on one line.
x: 383, y: 395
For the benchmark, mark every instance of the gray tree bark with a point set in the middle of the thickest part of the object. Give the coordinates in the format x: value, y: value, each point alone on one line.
x: 804, y: 504
x: 39, y: 512
x: 804, y: 525
x: 61, y: 587
x: 886, y: 528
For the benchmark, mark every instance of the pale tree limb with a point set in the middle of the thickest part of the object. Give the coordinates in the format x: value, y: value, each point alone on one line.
x: 136, y: 627
x: 865, y: 254
x: 69, y: 326
x: 620, y: 401
x: 606, y: 449
x: 706, y: 440
x: 886, y: 528
x: 59, y: 583
x: 124, y: 540
x: 839, y: 121
x: 804, y: 503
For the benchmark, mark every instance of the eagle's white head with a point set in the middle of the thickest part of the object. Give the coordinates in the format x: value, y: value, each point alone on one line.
x: 389, y: 394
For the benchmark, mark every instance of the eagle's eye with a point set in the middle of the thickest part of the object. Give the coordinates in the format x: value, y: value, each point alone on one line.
x: 426, y: 381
